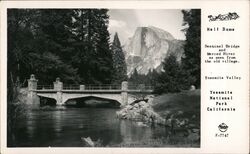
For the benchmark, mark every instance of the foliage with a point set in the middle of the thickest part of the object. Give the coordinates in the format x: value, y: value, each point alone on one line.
x: 172, y: 79
x: 147, y: 79
x: 119, y: 64
x: 93, y: 56
x: 191, y: 61
x: 16, y: 109
x: 33, y: 40
x: 73, y: 43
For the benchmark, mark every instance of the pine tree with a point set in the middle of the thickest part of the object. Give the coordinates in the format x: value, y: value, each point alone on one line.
x: 104, y: 62
x: 93, y: 56
x: 20, y: 39
x: 38, y: 37
x: 134, y: 78
x: 191, y: 61
x: 52, y: 47
x: 119, y: 64
x: 75, y: 41
x: 153, y: 78
x: 170, y: 80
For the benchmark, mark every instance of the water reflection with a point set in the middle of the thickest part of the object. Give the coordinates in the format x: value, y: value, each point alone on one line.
x: 131, y: 132
x: 65, y: 128
x: 30, y: 123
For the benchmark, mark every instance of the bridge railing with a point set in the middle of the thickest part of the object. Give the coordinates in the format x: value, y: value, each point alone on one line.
x: 96, y: 87
x: 103, y: 87
x: 43, y: 87
x: 140, y: 87
x: 71, y: 87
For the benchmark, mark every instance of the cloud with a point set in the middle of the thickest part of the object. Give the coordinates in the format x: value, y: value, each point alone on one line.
x: 117, y: 23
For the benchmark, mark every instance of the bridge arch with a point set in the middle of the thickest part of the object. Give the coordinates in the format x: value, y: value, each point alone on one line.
x: 93, y: 101
x: 47, y: 101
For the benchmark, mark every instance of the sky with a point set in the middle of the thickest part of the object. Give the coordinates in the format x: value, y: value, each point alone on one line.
x: 125, y: 22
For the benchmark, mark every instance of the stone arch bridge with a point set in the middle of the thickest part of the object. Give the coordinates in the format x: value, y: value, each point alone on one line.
x: 60, y: 92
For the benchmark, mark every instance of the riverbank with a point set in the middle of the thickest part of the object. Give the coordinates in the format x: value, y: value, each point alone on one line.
x: 180, y: 112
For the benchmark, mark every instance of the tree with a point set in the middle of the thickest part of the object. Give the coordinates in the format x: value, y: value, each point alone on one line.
x: 93, y: 56
x: 170, y: 80
x: 33, y: 36
x: 191, y: 61
x: 19, y: 42
x: 52, y: 47
x: 134, y: 78
x: 119, y: 64
x: 153, y: 76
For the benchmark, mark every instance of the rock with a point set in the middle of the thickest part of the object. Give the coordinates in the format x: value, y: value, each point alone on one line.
x: 150, y: 99
x: 148, y: 47
x: 142, y: 103
x: 140, y: 111
x: 149, y: 96
x: 136, y: 105
x: 129, y: 107
x: 141, y: 124
x: 123, y: 114
x: 88, y: 142
x: 192, y: 87
x: 180, y: 113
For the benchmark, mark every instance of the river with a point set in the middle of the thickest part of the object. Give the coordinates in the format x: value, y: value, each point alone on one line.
x: 64, y: 128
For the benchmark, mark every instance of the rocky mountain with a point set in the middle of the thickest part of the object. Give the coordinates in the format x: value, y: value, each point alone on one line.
x: 148, y: 47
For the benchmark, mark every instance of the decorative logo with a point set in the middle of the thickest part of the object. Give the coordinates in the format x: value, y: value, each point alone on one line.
x: 224, y: 17
x: 223, y: 127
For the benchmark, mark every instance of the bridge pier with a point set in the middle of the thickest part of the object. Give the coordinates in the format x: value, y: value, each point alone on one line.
x: 58, y: 86
x: 124, y: 93
x: 32, y: 86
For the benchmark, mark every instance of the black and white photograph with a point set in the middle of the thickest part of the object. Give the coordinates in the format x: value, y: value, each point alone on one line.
x: 103, y: 77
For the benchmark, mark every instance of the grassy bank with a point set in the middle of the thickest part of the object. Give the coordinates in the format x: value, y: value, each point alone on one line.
x: 187, y: 102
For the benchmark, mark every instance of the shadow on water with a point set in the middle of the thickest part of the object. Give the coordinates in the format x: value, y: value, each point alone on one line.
x: 92, y: 102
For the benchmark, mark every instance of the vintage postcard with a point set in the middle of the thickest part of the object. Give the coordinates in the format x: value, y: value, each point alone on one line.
x: 124, y: 77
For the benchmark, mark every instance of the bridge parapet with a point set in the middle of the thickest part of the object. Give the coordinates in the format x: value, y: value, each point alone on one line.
x: 58, y: 85
x: 32, y: 83
x: 82, y: 87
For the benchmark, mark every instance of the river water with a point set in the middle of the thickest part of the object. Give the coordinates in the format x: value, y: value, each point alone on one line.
x: 66, y: 127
